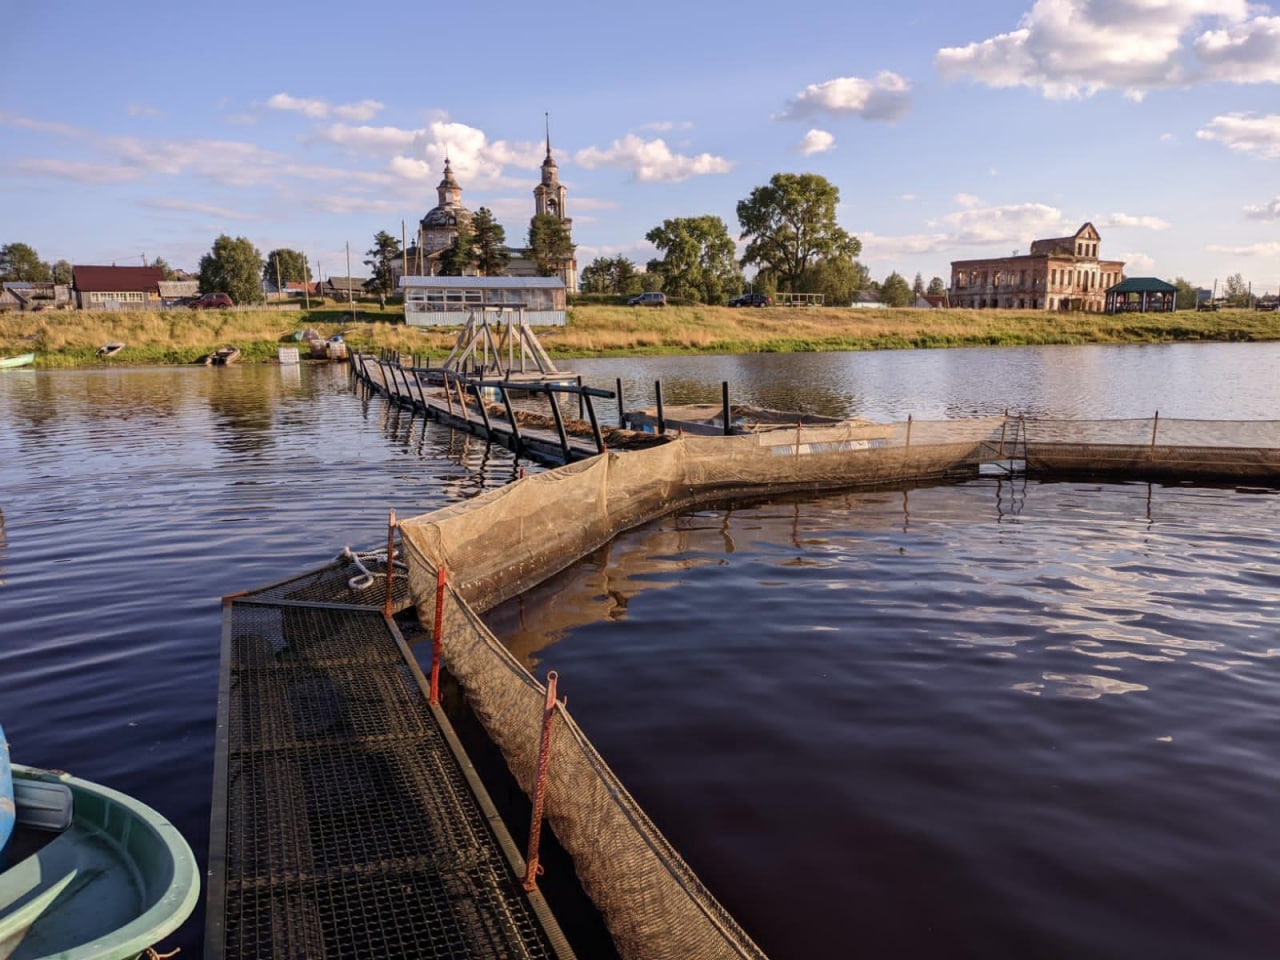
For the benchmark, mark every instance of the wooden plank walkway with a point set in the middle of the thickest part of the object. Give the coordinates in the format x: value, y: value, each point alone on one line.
x: 450, y: 405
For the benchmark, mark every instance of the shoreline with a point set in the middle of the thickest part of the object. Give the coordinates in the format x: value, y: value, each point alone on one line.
x: 71, y: 339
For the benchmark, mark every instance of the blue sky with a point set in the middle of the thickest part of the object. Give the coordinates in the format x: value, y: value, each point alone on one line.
x: 952, y: 130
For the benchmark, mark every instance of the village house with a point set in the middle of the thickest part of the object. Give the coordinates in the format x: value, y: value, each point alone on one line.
x: 1060, y: 273
x: 117, y: 288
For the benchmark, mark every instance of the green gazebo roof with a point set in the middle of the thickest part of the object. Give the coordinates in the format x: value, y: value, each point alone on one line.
x: 1142, y: 285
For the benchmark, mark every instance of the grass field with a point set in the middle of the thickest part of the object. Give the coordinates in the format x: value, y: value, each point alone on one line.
x: 71, y: 339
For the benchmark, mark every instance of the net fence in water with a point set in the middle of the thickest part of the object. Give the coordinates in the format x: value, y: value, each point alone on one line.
x: 1157, y: 448
x: 505, y: 541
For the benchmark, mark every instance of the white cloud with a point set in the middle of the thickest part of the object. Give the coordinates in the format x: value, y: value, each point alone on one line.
x: 374, y: 139
x: 190, y: 206
x: 816, y: 141
x: 1127, y: 220
x: 143, y: 110
x: 876, y: 247
x: 887, y: 97
x: 639, y: 252
x: 1243, y: 53
x: 1271, y: 249
x: 1004, y: 225
x: 1246, y: 133
x: 651, y: 161
x: 1136, y: 264
x: 318, y: 109
x: 78, y: 171
x: 906, y: 197
x: 1266, y: 211
x: 967, y: 200
x: 666, y: 126
x: 1074, y: 48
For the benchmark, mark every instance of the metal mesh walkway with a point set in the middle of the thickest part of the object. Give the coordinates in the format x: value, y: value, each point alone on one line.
x: 347, y: 822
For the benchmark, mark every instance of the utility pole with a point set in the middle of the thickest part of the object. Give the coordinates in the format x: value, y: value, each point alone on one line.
x: 279, y: 284
x: 306, y: 282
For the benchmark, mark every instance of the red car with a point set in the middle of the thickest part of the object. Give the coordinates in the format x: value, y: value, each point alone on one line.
x: 212, y: 301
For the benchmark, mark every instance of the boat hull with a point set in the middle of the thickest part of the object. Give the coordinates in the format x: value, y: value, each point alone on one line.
x: 115, y: 882
x: 18, y: 360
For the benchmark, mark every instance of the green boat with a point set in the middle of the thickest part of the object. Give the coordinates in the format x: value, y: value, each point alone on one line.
x: 17, y: 360
x: 89, y: 873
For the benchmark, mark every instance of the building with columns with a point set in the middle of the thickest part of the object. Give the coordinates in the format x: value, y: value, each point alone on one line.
x: 1060, y: 273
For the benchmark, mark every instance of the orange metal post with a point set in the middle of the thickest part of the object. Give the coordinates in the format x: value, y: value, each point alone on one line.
x: 540, y: 786
x: 436, y: 645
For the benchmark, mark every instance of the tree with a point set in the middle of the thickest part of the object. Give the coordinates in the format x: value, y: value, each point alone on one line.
x: 234, y: 267
x: 1188, y: 296
x: 791, y: 223
x: 166, y: 271
x: 917, y: 287
x: 490, y: 244
x: 19, y: 261
x: 63, y: 272
x: 838, y: 280
x: 937, y: 287
x: 1237, y: 291
x: 284, y: 265
x: 460, y: 257
x: 697, y: 260
x: 549, y: 244
x: 610, y: 275
x: 385, y: 251
x: 894, y: 291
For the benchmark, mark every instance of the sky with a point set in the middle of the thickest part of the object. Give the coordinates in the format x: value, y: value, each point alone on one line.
x: 952, y: 130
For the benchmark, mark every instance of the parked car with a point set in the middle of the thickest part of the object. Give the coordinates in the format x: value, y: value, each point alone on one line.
x: 212, y: 301
x: 654, y: 298
x: 751, y: 300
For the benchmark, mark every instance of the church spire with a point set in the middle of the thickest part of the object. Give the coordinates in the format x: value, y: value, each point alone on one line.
x: 547, y: 117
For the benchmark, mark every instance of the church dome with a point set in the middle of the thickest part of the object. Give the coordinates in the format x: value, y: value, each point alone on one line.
x: 442, y: 218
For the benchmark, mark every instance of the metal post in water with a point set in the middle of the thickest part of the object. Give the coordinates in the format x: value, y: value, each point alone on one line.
x: 622, y: 416
x: 584, y: 398
x: 908, y: 431
x: 515, y: 425
x: 662, y: 422
x: 388, y: 607
x: 1003, y: 427
x: 724, y: 397
x: 437, y: 643
x: 581, y: 411
x: 1155, y: 424
x: 533, y: 868
x: 555, y: 415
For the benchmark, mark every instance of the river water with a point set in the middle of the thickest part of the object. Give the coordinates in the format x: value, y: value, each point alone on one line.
x: 997, y: 718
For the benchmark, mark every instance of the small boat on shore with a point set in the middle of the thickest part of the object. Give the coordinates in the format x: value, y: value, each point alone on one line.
x: 88, y: 871
x: 223, y: 357
x: 110, y: 349
x: 17, y: 360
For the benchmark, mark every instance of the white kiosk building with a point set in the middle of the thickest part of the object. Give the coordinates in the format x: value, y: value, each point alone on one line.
x: 451, y: 301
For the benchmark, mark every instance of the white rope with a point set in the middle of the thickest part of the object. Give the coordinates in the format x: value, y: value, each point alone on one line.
x: 366, y: 579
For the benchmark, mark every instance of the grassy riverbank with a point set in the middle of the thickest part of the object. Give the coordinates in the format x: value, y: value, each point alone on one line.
x: 72, y: 339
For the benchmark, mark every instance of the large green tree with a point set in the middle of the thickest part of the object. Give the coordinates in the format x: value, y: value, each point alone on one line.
x: 384, y: 252
x: 549, y: 244
x: 490, y: 244
x: 19, y: 261
x: 63, y: 272
x: 895, y: 291
x: 284, y: 265
x: 1188, y: 296
x: 937, y: 287
x: 234, y: 267
x: 610, y: 275
x: 698, y: 259
x: 838, y: 279
x: 1237, y: 291
x: 460, y: 258
x: 790, y: 223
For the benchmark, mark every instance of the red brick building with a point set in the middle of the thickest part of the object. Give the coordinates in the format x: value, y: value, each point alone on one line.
x: 1060, y: 273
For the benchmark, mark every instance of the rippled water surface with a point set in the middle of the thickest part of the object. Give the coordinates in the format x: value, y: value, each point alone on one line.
x: 993, y: 719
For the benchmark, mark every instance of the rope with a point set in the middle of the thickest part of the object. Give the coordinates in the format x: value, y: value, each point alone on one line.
x: 364, y: 578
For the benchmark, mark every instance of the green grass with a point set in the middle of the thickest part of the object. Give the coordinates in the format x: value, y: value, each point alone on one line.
x: 71, y: 339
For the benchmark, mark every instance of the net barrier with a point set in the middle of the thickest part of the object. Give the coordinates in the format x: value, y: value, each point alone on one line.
x: 507, y: 540
x: 1156, y: 448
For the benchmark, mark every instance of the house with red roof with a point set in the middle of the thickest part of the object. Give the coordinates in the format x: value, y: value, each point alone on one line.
x: 117, y: 288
